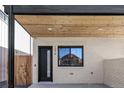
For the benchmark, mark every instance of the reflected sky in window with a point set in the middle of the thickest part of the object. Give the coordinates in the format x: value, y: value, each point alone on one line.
x: 75, y: 51
x: 63, y: 52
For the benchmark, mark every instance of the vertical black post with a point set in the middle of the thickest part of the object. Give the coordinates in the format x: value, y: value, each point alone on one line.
x: 11, y: 48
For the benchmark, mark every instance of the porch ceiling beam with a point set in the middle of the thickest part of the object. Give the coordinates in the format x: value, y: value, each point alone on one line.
x: 67, y: 9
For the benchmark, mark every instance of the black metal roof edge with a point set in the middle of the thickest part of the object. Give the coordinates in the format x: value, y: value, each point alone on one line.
x: 67, y: 10
x: 73, y: 14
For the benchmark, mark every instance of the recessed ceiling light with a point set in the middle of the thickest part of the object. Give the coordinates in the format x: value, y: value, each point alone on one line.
x: 100, y: 29
x: 49, y: 29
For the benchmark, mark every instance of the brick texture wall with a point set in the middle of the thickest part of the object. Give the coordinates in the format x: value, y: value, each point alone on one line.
x: 114, y: 72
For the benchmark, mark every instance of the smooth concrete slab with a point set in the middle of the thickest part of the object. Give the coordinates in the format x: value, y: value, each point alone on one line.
x: 51, y: 85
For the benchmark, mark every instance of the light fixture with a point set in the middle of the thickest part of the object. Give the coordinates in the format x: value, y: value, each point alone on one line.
x: 49, y: 29
x: 100, y: 29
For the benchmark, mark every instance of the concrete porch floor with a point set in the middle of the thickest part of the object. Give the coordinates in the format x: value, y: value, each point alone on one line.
x: 51, y: 85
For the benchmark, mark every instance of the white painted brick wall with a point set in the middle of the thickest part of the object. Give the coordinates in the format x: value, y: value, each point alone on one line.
x: 114, y: 72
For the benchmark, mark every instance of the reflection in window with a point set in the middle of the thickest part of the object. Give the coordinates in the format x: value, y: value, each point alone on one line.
x: 70, y: 56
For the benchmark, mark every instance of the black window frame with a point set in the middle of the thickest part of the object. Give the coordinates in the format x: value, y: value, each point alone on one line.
x: 82, y: 65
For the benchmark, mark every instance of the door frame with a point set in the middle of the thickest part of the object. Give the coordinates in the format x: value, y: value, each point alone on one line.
x: 51, y: 65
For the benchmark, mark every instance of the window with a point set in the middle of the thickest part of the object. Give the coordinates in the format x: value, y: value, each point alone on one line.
x: 70, y: 56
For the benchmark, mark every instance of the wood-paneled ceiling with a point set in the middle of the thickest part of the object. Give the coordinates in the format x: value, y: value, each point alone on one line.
x: 72, y: 26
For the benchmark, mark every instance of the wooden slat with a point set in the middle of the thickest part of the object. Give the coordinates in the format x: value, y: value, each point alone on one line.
x: 29, y: 19
x: 77, y: 31
x: 71, y: 26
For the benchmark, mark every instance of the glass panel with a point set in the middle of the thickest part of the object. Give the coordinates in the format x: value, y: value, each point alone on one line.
x: 23, y: 57
x: 77, y: 52
x: 70, y: 56
x: 63, y: 52
x: 76, y: 55
x: 22, y: 39
x: 3, y: 50
x: 48, y: 63
x: 23, y: 54
x: 1, y: 8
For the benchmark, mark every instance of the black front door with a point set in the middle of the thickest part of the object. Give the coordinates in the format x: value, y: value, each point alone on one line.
x: 45, y: 63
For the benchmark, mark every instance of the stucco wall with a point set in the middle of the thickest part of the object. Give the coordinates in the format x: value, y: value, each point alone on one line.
x: 95, y: 51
